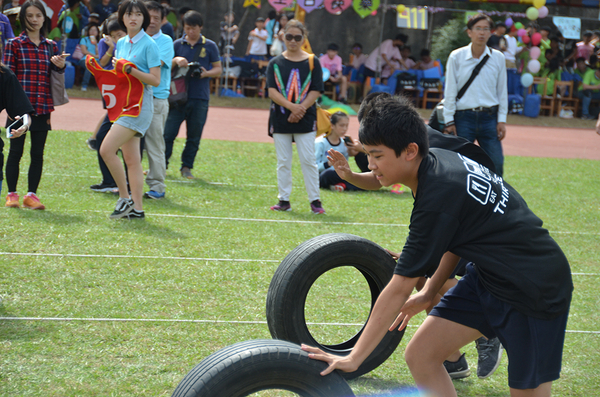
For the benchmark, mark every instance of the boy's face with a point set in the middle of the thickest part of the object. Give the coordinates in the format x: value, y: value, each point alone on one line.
x: 405, y: 53
x: 331, y: 53
x: 357, y: 50
x: 581, y: 66
x: 260, y: 25
x: 426, y: 58
x: 387, y: 168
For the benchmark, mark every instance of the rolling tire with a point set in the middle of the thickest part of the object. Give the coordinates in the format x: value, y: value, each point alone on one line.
x: 247, y: 367
x: 300, y: 269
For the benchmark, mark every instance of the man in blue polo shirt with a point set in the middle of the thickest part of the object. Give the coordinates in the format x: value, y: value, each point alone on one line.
x: 192, y: 47
x: 154, y: 140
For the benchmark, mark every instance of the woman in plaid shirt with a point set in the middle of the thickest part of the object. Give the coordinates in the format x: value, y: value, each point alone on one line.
x: 29, y: 57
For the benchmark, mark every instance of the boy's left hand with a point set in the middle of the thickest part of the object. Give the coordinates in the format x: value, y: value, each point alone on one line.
x: 343, y: 363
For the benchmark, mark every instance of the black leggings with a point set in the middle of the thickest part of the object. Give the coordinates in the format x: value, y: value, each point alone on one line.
x: 38, y: 142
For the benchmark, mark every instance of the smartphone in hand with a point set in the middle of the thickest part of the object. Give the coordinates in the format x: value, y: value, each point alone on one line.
x: 348, y: 140
x: 16, y: 125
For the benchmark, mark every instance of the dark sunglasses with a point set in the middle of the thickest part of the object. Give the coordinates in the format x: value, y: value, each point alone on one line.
x: 290, y: 37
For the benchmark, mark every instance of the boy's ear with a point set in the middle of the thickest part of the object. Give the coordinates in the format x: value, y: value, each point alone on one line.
x: 412, y: 151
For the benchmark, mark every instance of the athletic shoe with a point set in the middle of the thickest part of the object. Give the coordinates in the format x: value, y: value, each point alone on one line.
x: 187, y: 173
x: 122, y: 209
x: 340, y: 187
x: 32, y: 202
x: 587, y: 117
x: 490, y: 354
x: 154, y: 195
x: 458, y: 369
x: 135, y: 214
x: 91, y: 142
x: 316, y: 207
x: 101, y: 187
x: 282, y: 206
x: 12, y: 200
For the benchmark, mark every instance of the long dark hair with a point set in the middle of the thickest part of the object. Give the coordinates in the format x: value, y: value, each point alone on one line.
x: 23, y: 14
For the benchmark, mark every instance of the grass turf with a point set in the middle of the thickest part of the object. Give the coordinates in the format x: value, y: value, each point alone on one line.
x: 208, y: 251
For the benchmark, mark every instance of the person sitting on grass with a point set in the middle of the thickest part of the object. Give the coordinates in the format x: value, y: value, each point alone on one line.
x: 337, y: 140
x: 519, y: 289
x: 333, y: 62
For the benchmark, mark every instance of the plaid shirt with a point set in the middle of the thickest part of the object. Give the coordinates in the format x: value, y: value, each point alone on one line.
x: 31, y: 64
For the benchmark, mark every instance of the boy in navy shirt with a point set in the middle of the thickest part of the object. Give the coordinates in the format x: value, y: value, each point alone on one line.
x: 519, y: 290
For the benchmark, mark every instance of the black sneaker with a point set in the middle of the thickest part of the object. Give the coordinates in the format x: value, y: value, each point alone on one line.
x: 122, y: 209
x: 490, y: 354
x: 92, y: 144
x: 101, y: 187
x: 135, y: 214
x: 458, y: 369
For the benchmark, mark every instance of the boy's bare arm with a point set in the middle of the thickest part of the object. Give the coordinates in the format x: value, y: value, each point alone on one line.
x: 385, y: 310
x: 364, y: 180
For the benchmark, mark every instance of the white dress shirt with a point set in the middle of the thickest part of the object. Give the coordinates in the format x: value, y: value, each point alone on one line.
x: 488, y: 89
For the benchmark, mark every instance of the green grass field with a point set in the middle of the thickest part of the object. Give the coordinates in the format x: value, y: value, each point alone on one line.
x: 193, y: 277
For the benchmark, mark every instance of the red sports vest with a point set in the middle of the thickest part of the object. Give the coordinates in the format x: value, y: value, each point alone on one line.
x: 122, y: 93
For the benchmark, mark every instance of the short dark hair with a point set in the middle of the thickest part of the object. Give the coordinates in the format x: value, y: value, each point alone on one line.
x: 402, y: 37
x: 357, y: 45
x: 183, y: 10
x: 155, y: 6
x: 479, y: 17
x: 333, y: 47
x: 23, y: 14
x: 259, y: 19
x: 337, y: 116
x: 546, y: 28
x: 588, y: 33
x: 128, y: 6
x: 580, y: 59
x: 392, y: 122
x: 113, y: 25
x: 425, y: 52
x: 500, y: 24
x: 193, y: 18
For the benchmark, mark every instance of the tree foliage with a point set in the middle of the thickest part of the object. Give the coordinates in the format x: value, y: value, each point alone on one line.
x: 448, y: 38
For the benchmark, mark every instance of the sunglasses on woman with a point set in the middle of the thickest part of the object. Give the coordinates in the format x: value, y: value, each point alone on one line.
x: 297, y: 37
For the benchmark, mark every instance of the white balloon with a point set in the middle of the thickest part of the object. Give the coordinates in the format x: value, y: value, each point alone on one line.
x: 534, y: 66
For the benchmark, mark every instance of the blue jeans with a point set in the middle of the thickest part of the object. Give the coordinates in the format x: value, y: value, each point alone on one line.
x: 586, y: 97
x: 194, y: 112
x: 481, y: 126
x: 86, y: 73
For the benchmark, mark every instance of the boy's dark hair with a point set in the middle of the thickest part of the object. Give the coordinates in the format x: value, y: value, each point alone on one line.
x: 407, y: 47
x: 333, y: 47
x: 155, y: 6
x: 72, y: 3
x: 193, y: 18
x: 479, y: 17
x: 546, y: 28
x: 128, y: 6
x: 425, y: 52
x: 337, y: 116
x: 272, y: 14
x: 392, y: 122
x: 580, y: 59
x: 554, y: 64
x: 402, y: 37
x: 357, y: 45
x: 588, y: 33
x: 500, y: 24
x: 260, y: 19
x: 23, y: 14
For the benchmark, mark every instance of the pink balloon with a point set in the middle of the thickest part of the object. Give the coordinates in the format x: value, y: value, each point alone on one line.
x: 535, y: 52
x: 534, y: 66
x: 336, y: 7
x: 281, y: 4
x: 521, y: 32
x: 374, y: 12
x: 543, y: 12
x: 536, y: 38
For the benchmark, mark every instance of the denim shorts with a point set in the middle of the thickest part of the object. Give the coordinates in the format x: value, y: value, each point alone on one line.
x: 534, y: 346
x: 141, y: 123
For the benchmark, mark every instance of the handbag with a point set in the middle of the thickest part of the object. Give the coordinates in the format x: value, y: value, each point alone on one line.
x: 178, y: 90
x: 77, y: 53
x: 437, y: 116
x: 57, y: 84
x: 323, y: 116
x: 276, y: 47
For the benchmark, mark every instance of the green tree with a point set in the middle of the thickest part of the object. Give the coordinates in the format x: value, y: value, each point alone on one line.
x: 448, y: 38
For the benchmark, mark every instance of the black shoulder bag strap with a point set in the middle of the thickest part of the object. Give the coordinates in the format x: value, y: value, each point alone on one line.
x: 473, y: 75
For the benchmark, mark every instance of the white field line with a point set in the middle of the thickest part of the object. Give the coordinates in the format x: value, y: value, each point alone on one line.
x: 173, y: 258
x: 165, y: 320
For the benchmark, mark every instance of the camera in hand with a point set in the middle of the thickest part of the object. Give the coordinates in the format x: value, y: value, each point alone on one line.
x: 195, y: 71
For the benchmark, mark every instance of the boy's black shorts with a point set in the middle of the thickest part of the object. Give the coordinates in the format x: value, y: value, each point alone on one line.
x: 534, y: 346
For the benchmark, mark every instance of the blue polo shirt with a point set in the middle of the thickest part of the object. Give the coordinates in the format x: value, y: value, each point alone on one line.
x: 141, y: 50
x: 209, y: 54
x: 166, y: 52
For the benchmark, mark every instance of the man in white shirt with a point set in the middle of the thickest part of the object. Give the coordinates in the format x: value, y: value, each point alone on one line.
x: 481, y: 112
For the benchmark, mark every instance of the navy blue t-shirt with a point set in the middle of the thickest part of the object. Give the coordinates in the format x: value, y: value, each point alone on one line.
x: 209, y: 54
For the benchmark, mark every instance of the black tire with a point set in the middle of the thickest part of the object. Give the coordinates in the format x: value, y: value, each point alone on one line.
x: 300, y: 269
x: 248, y: 367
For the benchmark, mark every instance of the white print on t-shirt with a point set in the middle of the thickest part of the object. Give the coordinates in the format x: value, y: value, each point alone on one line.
x: 479, y: 185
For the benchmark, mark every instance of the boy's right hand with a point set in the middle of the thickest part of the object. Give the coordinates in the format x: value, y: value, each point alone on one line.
x: 339, y: 163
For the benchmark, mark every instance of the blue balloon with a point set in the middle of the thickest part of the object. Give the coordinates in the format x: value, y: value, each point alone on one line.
x: 326, y: 74
x: 526, y: 79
